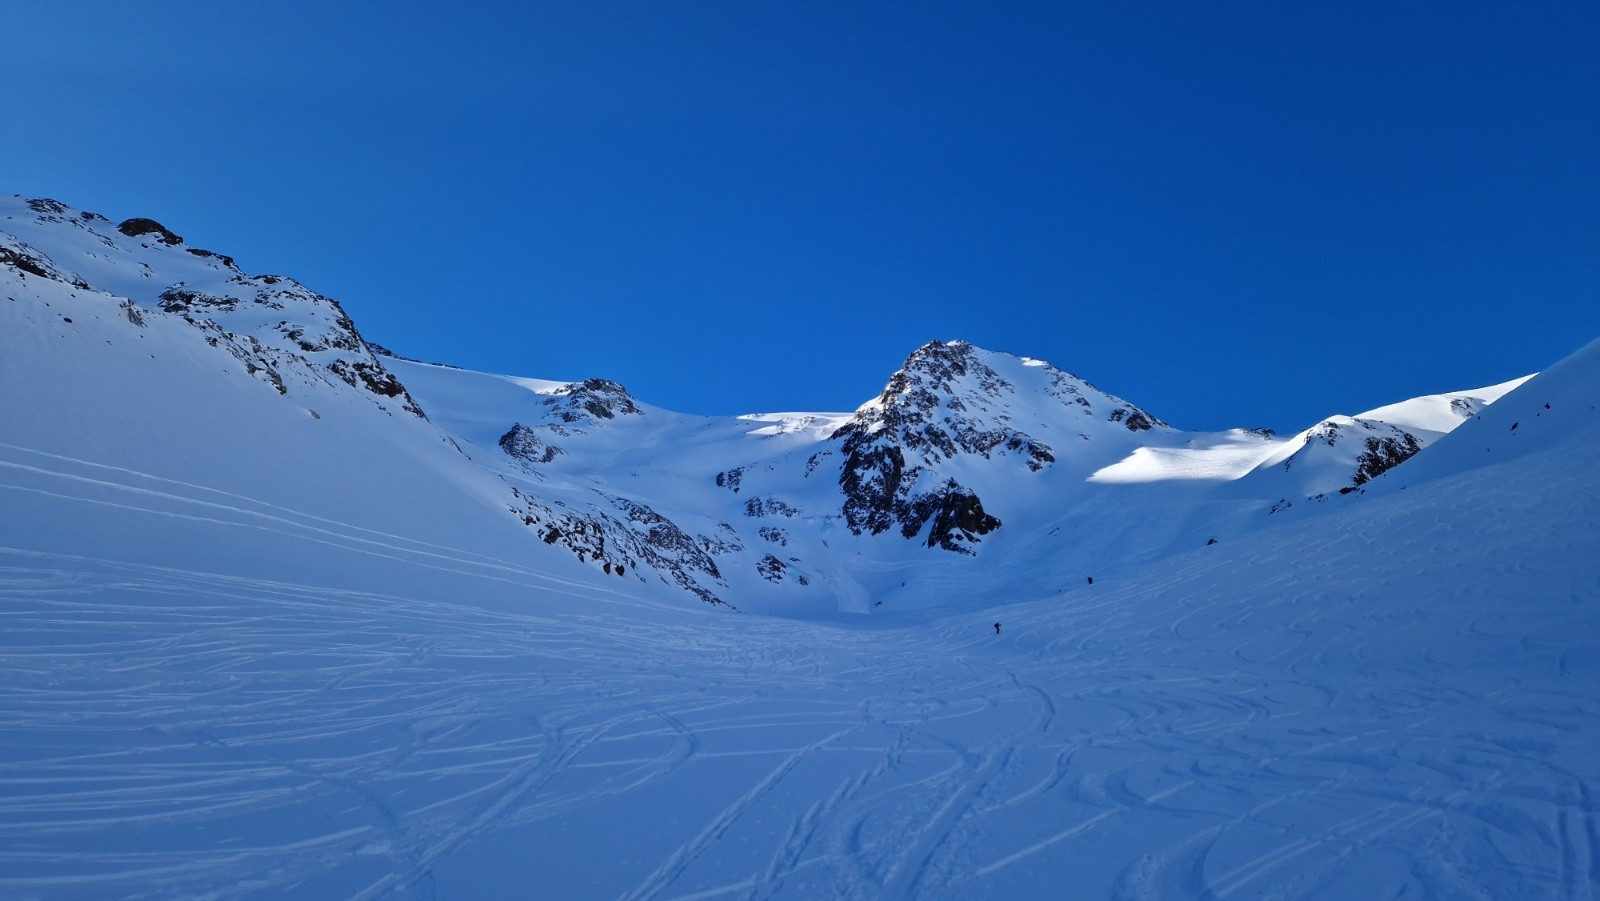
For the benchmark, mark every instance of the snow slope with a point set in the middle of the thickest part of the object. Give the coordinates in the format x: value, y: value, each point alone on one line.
x: 1398, y: 697
x: 264, y: 641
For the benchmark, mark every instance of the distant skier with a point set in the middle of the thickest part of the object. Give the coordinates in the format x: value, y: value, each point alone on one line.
x: 1091, y: 580
x: 997, y: 628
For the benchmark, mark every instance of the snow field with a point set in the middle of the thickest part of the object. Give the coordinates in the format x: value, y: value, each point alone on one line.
x: 1408, y: 705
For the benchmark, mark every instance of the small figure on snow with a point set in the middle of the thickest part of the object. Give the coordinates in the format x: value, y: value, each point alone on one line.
x: 1091, y: 580
x: 997, y: 628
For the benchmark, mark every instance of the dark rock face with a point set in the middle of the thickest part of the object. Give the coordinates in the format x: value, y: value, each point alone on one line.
x: 937, y: 407
x: 26, y: 262
x: 370, y: 375
x: 769, y: 506
x: 730, y: 480
x: 593, y: 399
x: 872, y: 483
x: 642, y: 539
x: 957, y: 514
x: 522, y: 443
x: 1384, y: 454
x: 134, y: 228
x: 771, y: 568
x: 670, y: 550
x: 223, y: 258
x: 1135, y: 419
x: 925, y: 410
x: 44, y: 206
x: 1384, y: 446
x: 18, y: 255
x: 880, y: 492
x: 180, y: 300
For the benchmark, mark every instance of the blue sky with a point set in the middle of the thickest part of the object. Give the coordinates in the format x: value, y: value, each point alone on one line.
x: 1233, y: 214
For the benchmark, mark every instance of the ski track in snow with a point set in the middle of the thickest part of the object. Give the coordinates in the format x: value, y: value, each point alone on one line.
x: 176, y: 732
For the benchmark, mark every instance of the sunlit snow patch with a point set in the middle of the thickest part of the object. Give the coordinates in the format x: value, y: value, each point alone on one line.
x: 1231, y: 458
x: 818, y: 425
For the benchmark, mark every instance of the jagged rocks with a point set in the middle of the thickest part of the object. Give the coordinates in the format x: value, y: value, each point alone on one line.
x: 134, y: 228
x: 23, y: 258
x: 664, y: 546
x: 769, y: 506
x: 318, y: 336
x: 370, y: 375
x: 871, y: 480
x: 923, y: 410
x: 524, y: 444
x: 46, y: 207
x: 180, y: 300
x: 220, y: 257
x: 19, y: 260
x: 1135, y: 419
x: 771, y: 568
x: 943, y: 403
x: 593, y: 399
x: 666, y: 538
x: 957, y: 517
x: 1383, y: 454
x: 880, y: 491
x: 730, y: 479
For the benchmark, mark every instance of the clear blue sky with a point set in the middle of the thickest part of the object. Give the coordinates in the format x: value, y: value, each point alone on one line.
x: 1230, y: 213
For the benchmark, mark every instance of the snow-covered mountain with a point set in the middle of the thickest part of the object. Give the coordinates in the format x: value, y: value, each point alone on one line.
x: 289, y: 612
x: 962, y: 449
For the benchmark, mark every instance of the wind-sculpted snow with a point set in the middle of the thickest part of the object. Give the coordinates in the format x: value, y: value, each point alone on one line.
x: 1393, y: 700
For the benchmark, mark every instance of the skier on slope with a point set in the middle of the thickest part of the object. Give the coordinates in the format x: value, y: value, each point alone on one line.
x: 997, y: 628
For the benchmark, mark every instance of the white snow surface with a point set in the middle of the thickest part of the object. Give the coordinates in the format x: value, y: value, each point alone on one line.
x: 264, y: 643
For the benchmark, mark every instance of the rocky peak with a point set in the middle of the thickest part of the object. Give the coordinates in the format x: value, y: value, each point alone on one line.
x: 944, y: 402
x: 942, y: 367
x: 593, y: 400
